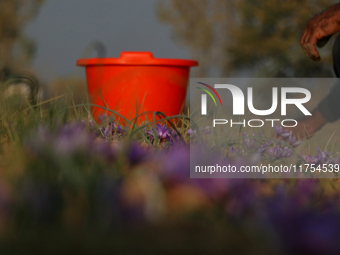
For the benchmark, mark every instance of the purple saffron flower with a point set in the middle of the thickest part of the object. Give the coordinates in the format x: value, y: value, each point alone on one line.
x: 191, y: 131
x: 293, y: 142
x: 320, y: 158
x: 323, y: 155
x: 163, y: 134
x: 111, y: 129
x: 174, y: 136
x: 264, y: 146
x: 281, y: 132
x: 287, y: 136
x: 280, y: 152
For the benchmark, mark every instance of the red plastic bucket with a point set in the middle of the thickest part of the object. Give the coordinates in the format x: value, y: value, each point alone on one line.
x: 137, y: 82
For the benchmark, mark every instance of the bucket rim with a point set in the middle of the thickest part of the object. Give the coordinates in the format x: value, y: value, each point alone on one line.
x: 136, y: 59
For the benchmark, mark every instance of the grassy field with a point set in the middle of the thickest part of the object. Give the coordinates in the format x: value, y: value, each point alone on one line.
x: 70, y: 185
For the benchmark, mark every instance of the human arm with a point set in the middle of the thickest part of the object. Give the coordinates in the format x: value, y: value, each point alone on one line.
x: 322, y: 25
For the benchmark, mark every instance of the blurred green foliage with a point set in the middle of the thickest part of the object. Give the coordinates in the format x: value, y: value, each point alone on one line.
x: 231, y: 36
x: 16, y: 49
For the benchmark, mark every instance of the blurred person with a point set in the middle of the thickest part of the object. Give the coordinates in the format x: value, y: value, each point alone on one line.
x: 317, y: 31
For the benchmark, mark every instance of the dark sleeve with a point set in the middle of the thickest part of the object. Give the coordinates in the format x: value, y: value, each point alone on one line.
x: 330, y: 105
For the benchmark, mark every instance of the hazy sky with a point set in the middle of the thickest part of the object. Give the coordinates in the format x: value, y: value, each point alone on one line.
x: 65, y: 28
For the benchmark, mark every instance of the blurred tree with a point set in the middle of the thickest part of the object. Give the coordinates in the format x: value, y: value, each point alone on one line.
x: 16, y: 50
x: 260, y: 36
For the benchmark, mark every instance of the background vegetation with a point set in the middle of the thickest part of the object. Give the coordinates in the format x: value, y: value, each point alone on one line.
x: 249, y: 38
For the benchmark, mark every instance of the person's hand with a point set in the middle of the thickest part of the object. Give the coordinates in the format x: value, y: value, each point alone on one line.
x: 308, y: 126
x: 320, y: 26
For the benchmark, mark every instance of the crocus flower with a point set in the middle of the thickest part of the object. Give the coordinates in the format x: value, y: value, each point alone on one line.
x: 111, y: 129
x: 322, y: 157
x: 280, y: 132
x: 293, y: 141
x: 279, y: 152
x: 286, y: 136
x: 163, y: 134
x: 264, y: 146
